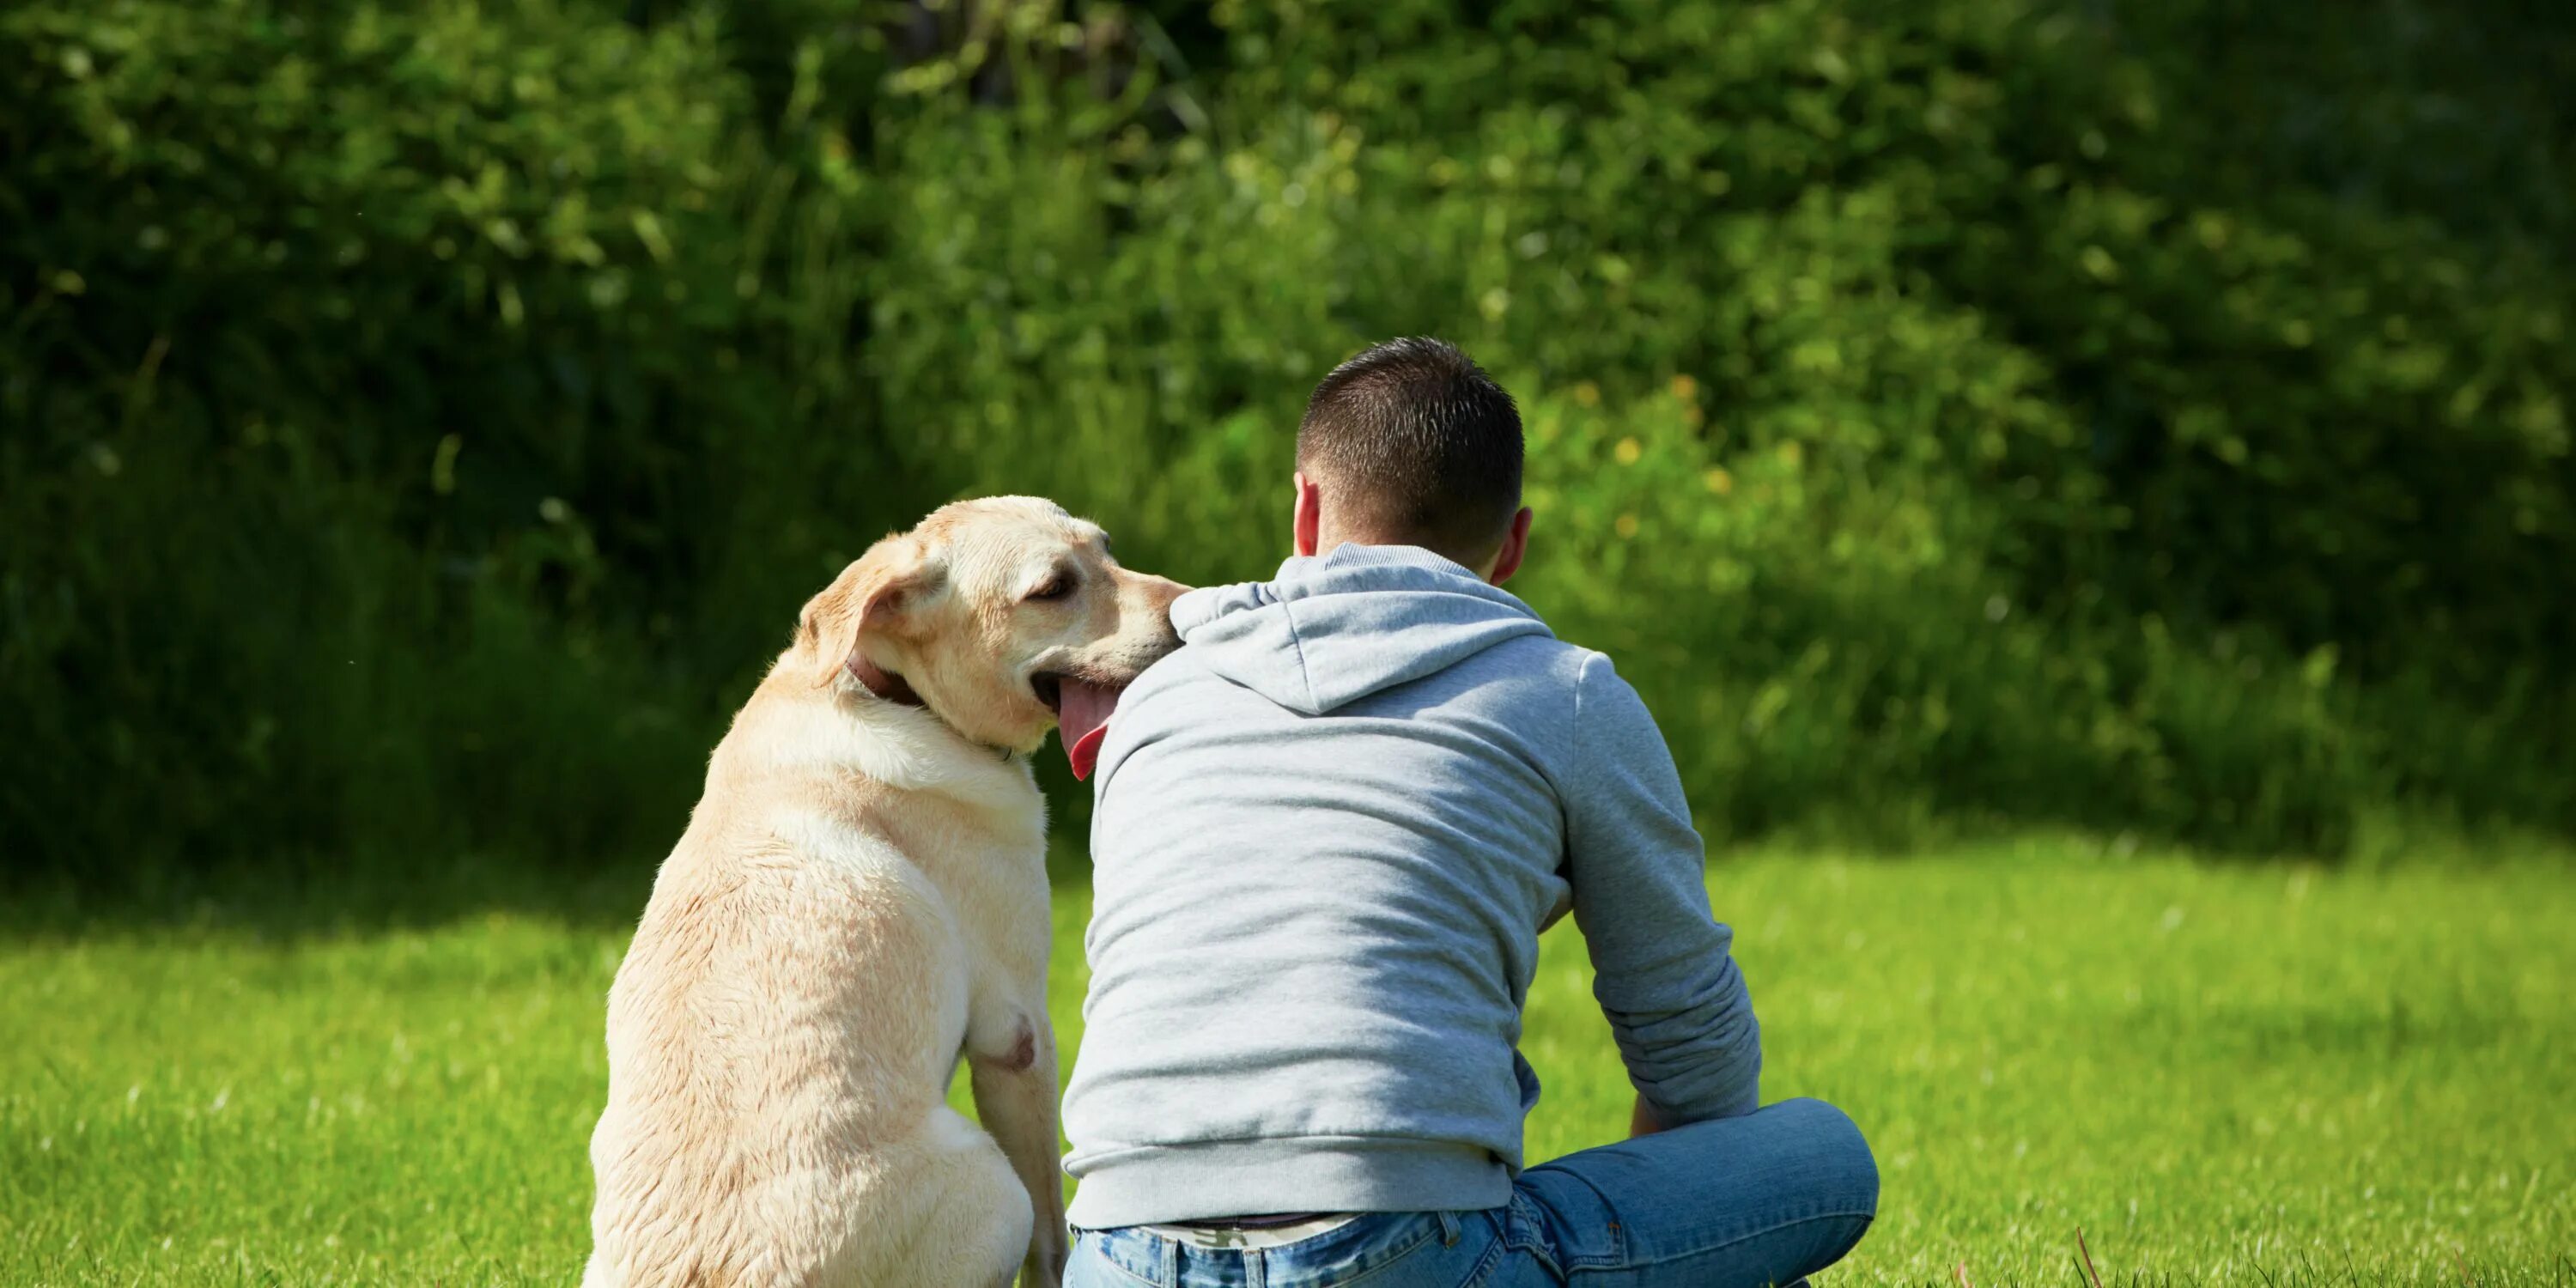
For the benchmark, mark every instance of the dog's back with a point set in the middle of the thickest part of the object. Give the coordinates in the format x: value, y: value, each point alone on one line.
x: 780, y: 1035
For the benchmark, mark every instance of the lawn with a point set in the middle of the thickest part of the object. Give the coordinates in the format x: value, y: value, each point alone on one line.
x: 2221, y: 1072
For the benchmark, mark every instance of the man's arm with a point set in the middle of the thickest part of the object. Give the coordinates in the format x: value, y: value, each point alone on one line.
x: 1641, y: 1119
x: 1662, y: 967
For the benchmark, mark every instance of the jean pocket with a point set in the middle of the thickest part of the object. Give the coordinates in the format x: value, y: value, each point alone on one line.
x: 1363, y: 1246
x: 1114, y: 1259
x: 1566, y: 1225
x: 1392, y: 1250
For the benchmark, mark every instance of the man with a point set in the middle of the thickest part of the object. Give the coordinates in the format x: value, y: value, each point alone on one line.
x: 1329, y: 831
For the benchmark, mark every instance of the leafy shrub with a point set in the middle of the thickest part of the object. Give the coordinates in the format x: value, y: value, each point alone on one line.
x: 1946, y: 451
x: 389, y: 390
x: 423, y: 421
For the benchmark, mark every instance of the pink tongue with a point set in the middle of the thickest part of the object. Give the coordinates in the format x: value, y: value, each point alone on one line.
x: 1082, y: 721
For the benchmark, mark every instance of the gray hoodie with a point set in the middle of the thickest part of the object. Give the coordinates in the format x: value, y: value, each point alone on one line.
x: 1328, y: 831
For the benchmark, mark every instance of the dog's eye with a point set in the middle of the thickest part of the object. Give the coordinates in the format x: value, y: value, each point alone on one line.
x: 1056, y: 586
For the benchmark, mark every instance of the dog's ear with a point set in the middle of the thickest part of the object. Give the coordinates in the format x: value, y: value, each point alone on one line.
x: 877, y: 592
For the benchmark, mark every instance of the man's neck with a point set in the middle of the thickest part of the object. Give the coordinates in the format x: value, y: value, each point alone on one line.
x: 1481, y: 565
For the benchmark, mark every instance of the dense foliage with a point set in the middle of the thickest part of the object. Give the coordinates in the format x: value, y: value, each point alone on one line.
x: 418, y: 423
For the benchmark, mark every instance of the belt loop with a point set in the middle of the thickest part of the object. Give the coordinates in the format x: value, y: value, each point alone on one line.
x: 1171, y: 1268
x: 1448, y: 1229
x: 1256, y: 1267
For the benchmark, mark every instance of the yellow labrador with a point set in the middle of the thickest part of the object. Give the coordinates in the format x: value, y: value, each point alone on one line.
x: 861, y: 897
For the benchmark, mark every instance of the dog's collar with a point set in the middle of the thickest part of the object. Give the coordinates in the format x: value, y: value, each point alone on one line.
x: 890, y: 687
x: 882, y: 682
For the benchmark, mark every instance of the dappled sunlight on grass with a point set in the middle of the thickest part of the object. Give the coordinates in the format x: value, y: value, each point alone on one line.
x: 2206, y: 1068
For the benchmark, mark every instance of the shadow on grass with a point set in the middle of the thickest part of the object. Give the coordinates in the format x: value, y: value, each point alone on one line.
x: 289, y: 899
x: 286, y: 899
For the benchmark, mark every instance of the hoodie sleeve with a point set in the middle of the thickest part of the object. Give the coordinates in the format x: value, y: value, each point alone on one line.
x: 1662, y: 967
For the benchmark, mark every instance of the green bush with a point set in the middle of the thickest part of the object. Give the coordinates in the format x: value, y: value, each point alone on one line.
x: 402, y: 403
x: 1953, y: 416
x: 1938, y: 460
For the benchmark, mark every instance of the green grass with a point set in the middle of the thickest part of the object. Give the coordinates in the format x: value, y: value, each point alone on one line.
x: 2220, y: 1073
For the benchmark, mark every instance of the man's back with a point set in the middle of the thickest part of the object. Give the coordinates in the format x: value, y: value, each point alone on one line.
x: 1329, y: 830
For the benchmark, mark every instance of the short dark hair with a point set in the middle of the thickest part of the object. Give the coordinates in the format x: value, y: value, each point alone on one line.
x: 1419, y: 444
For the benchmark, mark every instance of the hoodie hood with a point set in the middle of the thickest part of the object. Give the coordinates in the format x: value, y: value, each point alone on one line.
x: 1335, y: 628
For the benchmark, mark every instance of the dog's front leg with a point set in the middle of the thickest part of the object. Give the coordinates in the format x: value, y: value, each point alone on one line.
x: 1015, y: 1096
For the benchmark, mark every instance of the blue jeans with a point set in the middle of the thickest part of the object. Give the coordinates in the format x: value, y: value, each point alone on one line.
x: 1767, y: 1198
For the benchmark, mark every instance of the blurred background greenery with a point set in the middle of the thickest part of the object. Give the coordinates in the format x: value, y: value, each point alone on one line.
x: 419, y: 423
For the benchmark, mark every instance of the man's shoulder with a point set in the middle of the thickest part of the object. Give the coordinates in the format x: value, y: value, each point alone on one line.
x: 1179, y: 668
x: 1180, y: 688
x: 1538, y: 657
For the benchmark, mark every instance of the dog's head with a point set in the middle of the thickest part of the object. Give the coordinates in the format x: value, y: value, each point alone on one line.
x: 985, y: 610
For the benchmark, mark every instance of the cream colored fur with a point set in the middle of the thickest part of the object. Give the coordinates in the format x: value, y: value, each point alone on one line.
x: 860, y: 899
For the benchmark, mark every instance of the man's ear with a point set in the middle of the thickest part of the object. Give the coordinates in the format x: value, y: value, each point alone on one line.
x: 1306, y: 519
x: 1515, y: 545
x: 875, y: 593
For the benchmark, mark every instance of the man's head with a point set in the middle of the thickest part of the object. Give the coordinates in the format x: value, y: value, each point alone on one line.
x: 1411, y: 443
